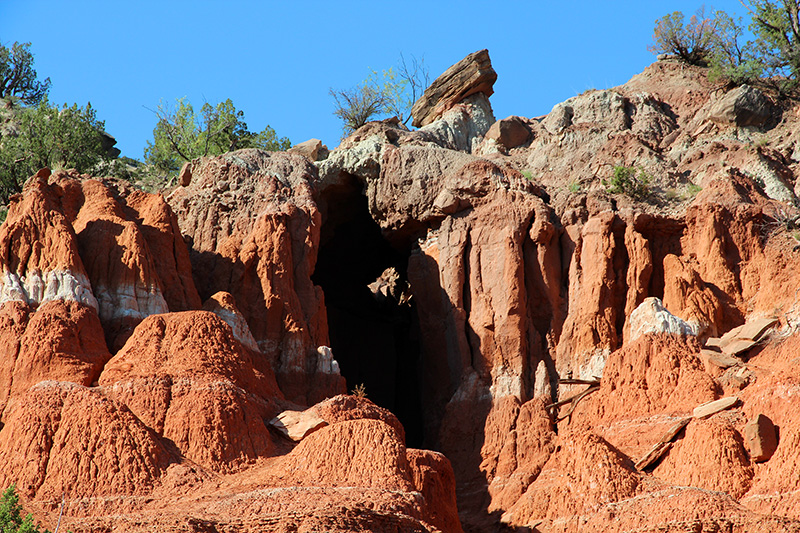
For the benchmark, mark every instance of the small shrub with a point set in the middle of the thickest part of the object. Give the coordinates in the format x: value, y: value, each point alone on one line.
x: 693, y: 190
x: 528, y: 175
x: 692, y: 42
x: 360, y: 391
x: 574, y: 186
x: 630, y: 181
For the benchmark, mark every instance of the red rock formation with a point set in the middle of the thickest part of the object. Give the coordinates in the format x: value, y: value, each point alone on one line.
x: 95, y: 252
x: 777, y: 383
x: 118, y: 260
x: 223, y: 305
x: 516, y: 449
x: 584, y: 472
x: 39, y: 250
x: 433, y: 477
x: 64, y: 439
x: 515, y: 270
x: 347, y: 407
x: 254, y: 227
x: 687, y: 296
x: 362, y: 452
x: 187, y: 377
x: 159, y: 226
x: 368, y: 453
x: 62, y: 341
x: 710, y: 456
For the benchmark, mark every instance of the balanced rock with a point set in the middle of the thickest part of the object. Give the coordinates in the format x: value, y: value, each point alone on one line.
x: 473, y: 74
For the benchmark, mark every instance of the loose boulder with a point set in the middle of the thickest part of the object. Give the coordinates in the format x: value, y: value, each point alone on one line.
x: 652, y: 317
x: 312, y: 149
x: 509, y: 132
x: 743, y: 106
x: 761, y: 438
x: 297, y: 425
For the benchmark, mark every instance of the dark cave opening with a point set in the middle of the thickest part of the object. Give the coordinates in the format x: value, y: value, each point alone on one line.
x: 372, y: 322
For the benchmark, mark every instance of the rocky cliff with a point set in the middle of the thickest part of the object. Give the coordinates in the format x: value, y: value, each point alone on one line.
x: 542, y: 346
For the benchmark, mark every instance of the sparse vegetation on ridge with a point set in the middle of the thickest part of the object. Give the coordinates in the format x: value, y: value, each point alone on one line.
x: 715, y: 40
x: 630, y: 181
x: 35, y: 133
x: 391, y: 93
x: 182, y: 135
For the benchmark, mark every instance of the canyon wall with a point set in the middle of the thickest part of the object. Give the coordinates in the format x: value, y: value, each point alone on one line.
x: 539, y: 349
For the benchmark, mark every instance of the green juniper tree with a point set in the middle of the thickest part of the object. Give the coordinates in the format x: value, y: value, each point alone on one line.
x: 18, y: 77
x: 45, y: 135
x: 716, y: 40
x: 182, y: 135
x: 11, y: 520
x: 35, y: 133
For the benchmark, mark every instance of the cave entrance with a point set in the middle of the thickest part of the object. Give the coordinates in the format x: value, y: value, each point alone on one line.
x: 372, y: 322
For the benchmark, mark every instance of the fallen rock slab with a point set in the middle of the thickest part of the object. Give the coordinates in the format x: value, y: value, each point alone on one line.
x: 713, y: 342
x: 711, y: 408
x: 663, y: 445
x: 730, y: 336
x: 719, y: 359
x: 738, y: 346
x: 297, y: 424
x: 754, y: 330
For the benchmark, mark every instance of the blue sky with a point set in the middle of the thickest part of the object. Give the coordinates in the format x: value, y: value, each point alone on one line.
x: 277, y: 60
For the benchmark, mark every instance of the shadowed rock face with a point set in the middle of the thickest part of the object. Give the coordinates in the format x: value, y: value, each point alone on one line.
x: 491, y: 297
